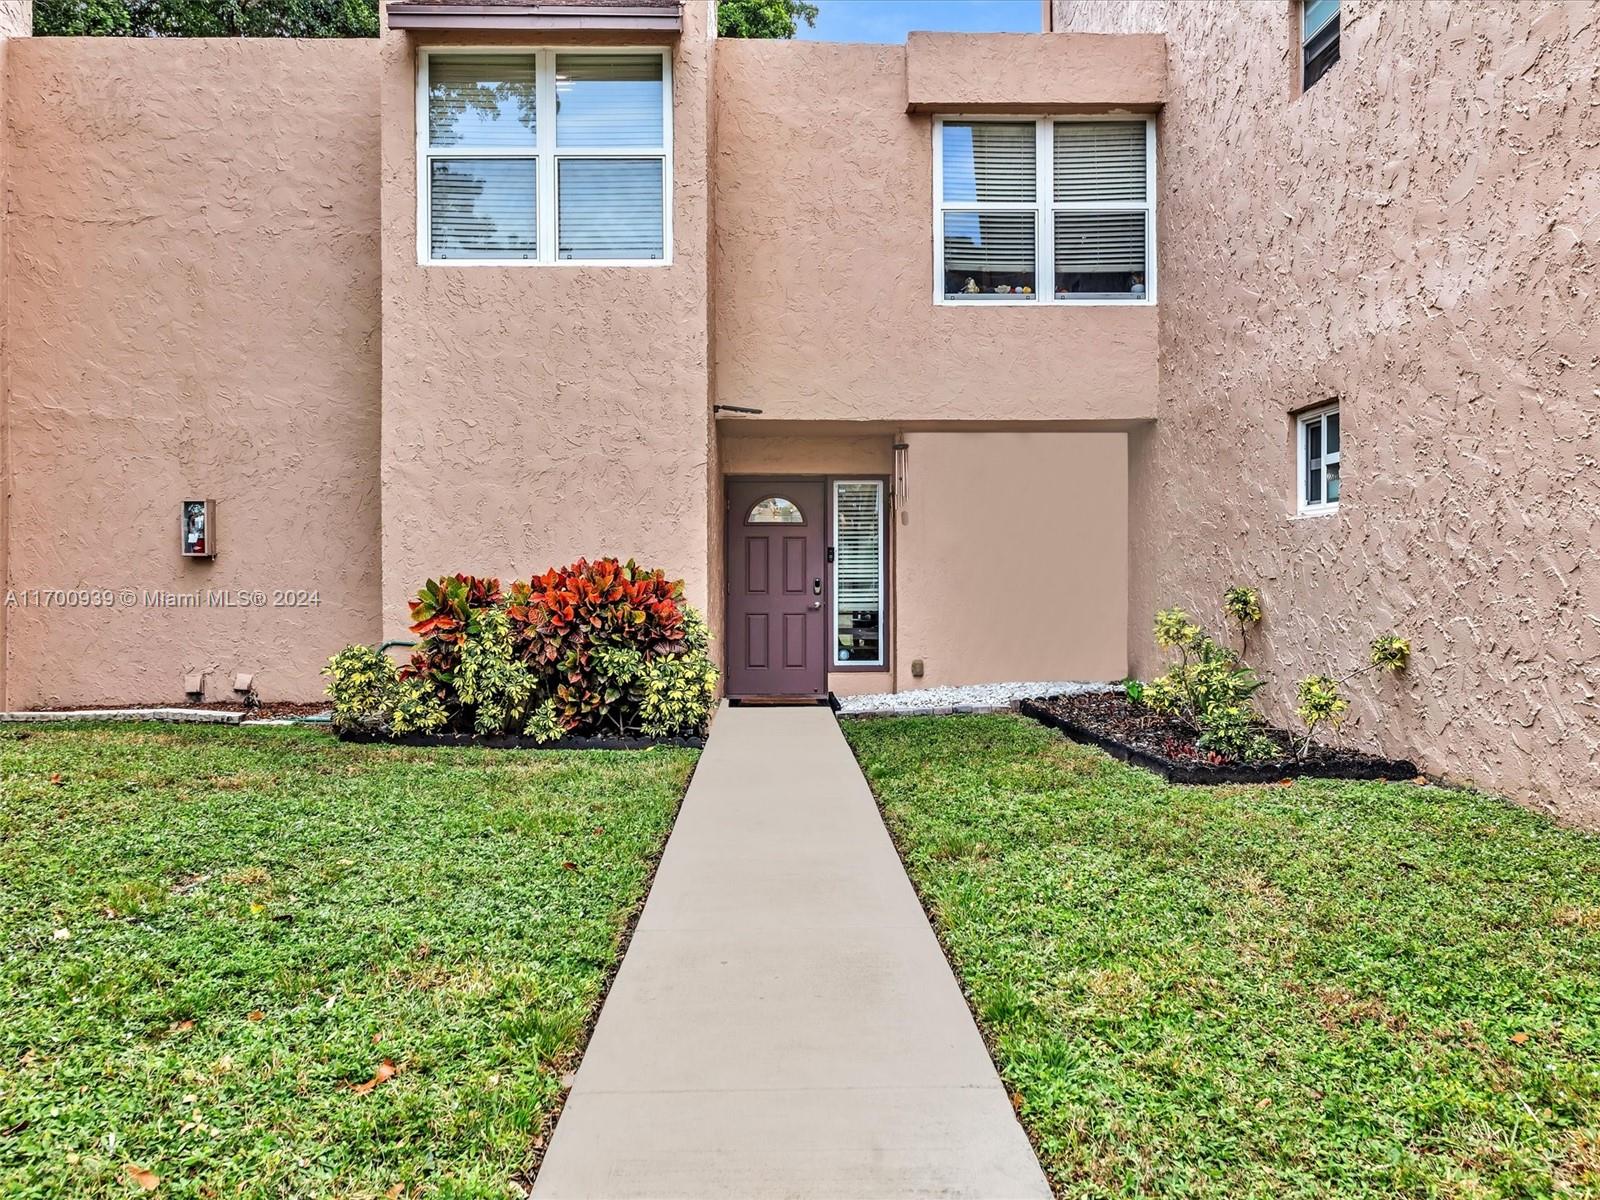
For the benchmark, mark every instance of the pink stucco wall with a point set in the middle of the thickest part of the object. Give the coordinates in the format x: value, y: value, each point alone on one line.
x: 1026, y: 72
x: 823, y: 276
x: 532, y: 415
x: 1416, y: 236
x: 16, y: 20
x: 1011, y: 553
x: 191, y: 310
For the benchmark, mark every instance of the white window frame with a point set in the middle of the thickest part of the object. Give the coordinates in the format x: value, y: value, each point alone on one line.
x: 1044, y: 208
x: 1302, y: 423
x: 545, y: 152
x: 883, y: 600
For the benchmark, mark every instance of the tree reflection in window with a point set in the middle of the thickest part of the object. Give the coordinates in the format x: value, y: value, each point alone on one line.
x: 774, y: 510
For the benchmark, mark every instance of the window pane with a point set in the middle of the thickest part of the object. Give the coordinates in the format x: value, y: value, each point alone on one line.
x: 1317, y: 14
x: 483, y: 208
x: 1313, y: 436
x: 609, y: 100
x: 989, y: 255
x: 609, y: 208
x: 1333, y: 482
x: 1099, y: 161
x: 1100, y: 255
x: 858, y: 572
x: 1331, y: 424
x: 481, y: 100
x: 989, y: 161
x: 774, y: 510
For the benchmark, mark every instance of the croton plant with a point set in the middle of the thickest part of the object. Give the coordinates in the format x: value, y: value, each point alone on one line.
x: 603, y: 647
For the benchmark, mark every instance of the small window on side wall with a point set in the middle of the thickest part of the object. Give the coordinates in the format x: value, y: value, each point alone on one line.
x: 1317, y: 435
x: 1319, y: 39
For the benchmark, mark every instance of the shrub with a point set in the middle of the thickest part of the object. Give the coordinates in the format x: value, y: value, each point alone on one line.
x: 490, y: 682
x: 677, y: 695
x: 1206, y: 674
x: 1318, y: 701
x: 1235, y: 731
x: 559, y: 619
x: 602, y: 647
x: 443, y: 616
x: 1134, y: 690
x: 361, y: 684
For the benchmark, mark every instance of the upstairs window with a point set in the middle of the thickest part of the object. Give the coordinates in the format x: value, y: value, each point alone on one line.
x: 544, y: 156
x: 1319, y: 39
x: 1044, y: 211
x: 1318, y: 438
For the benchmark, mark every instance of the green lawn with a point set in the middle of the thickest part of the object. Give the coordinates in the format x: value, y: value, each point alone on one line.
x: 1324, y: 989
x: 215, y: 939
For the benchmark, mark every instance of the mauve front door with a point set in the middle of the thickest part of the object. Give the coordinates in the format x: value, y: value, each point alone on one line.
x: 777, y: 628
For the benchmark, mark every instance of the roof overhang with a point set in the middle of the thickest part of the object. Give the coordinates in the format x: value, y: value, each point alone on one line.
x: 649, y: 18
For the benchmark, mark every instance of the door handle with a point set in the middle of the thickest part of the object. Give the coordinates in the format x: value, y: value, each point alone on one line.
x: 816, y: 604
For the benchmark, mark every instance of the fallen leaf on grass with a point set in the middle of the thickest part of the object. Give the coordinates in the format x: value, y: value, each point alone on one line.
x: 1518, y: 1038
x: 1016, y: 1101
x: 569, y: 866
x: 55, y: 778
x: 62, y: 935
x: 255, y: 1014
x: 384, y: 1073
x: 148, y: 1181
x: 183, y: 1026
x: 396, y: 1191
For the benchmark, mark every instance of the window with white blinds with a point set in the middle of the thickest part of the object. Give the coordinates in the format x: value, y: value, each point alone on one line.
x: 858, y: 572
x: 544, y: 157
x: 1054, y: 210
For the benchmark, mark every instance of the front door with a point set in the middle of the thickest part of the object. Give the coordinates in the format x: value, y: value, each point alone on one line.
x: 777, y: 626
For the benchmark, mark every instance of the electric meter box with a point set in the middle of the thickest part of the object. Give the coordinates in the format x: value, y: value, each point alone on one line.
x: 198, y: 532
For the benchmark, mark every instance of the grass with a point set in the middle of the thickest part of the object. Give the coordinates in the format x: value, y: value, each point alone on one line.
x: 265, y: 964
x: 1326, y: 989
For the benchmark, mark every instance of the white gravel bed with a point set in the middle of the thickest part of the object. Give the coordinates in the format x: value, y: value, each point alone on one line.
x: 192, y: 716
x: 977, y: 697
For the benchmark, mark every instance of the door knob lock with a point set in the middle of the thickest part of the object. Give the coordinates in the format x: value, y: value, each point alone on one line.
x: 816, y: 587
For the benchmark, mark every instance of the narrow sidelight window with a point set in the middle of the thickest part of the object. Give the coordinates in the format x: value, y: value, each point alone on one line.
x: 1319, y: 39
x: 1318, y: 437
x: 858, y: 571
x: 1044, y: 211
x: 544, y: 157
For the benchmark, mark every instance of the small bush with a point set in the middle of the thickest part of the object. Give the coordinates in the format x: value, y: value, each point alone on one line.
x: 1134, y: 690
x: 361, y: 684
x: 1235, y: 731
x: 593, y: 648
x: 678, y: 693
x: 1319, y: 702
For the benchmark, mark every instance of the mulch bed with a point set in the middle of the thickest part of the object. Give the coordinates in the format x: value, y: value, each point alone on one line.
x: 523, y: 743
x: 273, y: 710
x: 1166, y: 746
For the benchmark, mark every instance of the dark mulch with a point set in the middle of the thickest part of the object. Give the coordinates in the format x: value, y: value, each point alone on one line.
x: 1167, y: 746
x: 524, y: 743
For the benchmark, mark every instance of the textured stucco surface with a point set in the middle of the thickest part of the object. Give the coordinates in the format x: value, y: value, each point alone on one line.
x: 1032, y: 72
x: 16, y: 20
x: 191, y: 309
x: 1011, y: 558
x: 824, y: 265
x: 532, y: 415
x: 1115, y: 16
x: 1415, y: 235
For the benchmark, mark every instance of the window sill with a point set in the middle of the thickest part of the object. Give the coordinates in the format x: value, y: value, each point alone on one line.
x: 1009, y: 302
x: 521, y: 263
x: 1322, y: 510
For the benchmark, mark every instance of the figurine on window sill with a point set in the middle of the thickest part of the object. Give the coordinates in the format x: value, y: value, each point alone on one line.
x: 971, y: 286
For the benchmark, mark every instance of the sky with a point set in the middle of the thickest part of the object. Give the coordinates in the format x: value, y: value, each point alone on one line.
x: 891, y: 20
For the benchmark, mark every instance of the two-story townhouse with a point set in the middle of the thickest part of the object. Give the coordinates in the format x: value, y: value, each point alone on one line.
x: 946, y: 362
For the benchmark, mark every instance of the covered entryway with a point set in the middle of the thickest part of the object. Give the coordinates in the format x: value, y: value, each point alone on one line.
x: 777, y: 620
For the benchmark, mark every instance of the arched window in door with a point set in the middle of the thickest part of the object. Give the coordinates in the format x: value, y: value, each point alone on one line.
x: 774, y: 510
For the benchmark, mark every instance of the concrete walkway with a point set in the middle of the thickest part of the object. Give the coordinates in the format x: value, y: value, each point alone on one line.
x: 784, y: 1023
